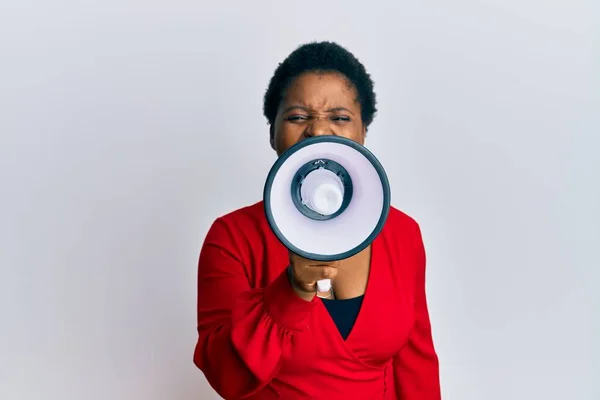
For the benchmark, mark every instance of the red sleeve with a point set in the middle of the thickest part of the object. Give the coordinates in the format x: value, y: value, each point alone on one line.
x: 416, y: 368
x: 243, y: 333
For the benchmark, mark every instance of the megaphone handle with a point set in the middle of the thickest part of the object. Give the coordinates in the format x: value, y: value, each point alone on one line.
x: 324, y: 289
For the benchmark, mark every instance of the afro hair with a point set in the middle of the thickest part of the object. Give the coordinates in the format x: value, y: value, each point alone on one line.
x: 321, y: 57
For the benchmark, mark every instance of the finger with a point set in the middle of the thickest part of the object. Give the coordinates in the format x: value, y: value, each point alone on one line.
x: 327, y: 272
x: 308, y: 287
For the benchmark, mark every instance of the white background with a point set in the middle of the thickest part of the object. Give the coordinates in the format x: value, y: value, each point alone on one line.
x: 128, y: 126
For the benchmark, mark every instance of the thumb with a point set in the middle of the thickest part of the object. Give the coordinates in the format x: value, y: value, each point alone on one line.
x: 328, y: 273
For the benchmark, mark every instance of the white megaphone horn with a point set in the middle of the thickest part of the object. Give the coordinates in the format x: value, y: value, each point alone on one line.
x: 326, y: 198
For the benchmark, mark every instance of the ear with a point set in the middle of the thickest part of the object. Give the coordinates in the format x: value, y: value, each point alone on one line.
x: 272, y: 136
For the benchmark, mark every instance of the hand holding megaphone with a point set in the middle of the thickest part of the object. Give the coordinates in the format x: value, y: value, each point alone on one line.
x: 305, y: 274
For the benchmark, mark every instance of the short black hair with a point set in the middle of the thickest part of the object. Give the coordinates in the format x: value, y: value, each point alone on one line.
x: 321, y: 57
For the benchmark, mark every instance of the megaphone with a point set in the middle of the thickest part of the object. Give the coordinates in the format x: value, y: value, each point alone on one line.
x: 326, y: 198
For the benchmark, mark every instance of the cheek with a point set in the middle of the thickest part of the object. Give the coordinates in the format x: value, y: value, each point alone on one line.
x: 355, y: 133
x: 287, y: 134
x: 283, y: 140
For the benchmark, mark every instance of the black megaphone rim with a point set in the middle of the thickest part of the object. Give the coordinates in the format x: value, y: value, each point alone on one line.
x: 327, y: 139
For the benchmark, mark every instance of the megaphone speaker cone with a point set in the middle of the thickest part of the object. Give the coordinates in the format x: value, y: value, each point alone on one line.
x: 322, y: 191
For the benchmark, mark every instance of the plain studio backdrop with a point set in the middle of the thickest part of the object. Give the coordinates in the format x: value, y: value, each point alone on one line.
x: 127, y: 127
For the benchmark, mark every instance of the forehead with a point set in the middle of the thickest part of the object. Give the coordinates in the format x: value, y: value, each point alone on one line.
x: 317, y: 90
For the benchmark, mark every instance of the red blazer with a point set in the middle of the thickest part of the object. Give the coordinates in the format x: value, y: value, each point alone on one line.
x: 258, y: 340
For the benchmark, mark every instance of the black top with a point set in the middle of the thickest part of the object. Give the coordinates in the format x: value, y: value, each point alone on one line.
x: 344, y: 313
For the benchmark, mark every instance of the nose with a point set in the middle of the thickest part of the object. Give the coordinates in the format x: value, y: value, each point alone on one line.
x: 319, y: 127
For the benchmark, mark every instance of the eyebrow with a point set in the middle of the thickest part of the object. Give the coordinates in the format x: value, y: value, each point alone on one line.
x: 308, y: 110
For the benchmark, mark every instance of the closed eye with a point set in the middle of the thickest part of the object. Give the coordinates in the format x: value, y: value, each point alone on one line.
x: 296, y: 118
x: 341, y: 118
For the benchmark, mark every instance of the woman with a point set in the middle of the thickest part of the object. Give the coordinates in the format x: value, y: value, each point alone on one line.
x: 263, y: 334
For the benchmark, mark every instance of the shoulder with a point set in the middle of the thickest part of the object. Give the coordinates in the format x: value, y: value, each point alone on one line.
x: 245, y: 217
x: 400, y: 223
x: 241, y: 228
x: 403, y: 232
